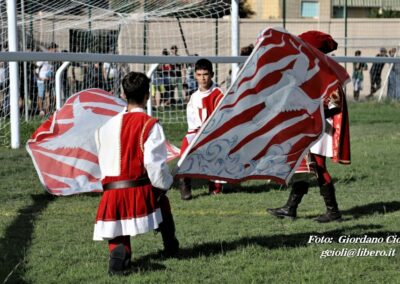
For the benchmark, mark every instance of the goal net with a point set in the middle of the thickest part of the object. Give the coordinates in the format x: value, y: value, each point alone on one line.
x: 170, y: 28
x: 121, y: 27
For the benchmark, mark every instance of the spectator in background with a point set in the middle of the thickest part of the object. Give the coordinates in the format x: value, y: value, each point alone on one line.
x: 157, y: 84
x: 32, y: 85
x: 191, y: 83
x: 376, y: 72
x: 97, y: 75
x: 393, y: 91
x: 166, y: 74
x: 24, y: 69
x: 76, y: 73
x: 228, y: 80
x: 4, y: 100
x: 4, y: 82
x: 177, y: 77
x: 110, y: 75
x: 358, y: 76
x: 45, y: 82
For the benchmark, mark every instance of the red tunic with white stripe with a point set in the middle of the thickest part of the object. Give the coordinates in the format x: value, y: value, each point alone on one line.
x: 200, y: 107
x: 130, y: 211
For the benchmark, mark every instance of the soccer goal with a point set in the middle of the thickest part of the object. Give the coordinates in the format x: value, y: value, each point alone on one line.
x: 119, y: 28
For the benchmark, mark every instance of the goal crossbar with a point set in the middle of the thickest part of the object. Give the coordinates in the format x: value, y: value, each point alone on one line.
x: 142, y: 59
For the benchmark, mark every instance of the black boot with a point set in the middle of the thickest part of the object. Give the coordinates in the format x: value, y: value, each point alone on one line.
x: 119, y: 262
x: 167, y: 229
x: 290, y: 208
x: 185, y: 186
x: 332, y: 211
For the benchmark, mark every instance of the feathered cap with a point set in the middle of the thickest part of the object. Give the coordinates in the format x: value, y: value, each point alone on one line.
x: 321, y: 41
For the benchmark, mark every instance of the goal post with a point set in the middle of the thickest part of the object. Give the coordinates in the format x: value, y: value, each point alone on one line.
x: 13, y: 69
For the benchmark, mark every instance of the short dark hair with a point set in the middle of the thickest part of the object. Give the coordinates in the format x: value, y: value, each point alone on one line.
x: 52, y: 45
x: 203, y: 64
x: 247, y: 50
x: 358, y: 52
x: 136, y: 87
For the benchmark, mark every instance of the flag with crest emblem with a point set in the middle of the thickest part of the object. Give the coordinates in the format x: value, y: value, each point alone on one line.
x: 63, y: 148
x: 270, y: 116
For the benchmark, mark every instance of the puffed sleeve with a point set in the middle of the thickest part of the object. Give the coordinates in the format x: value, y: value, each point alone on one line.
x: 155, y: 159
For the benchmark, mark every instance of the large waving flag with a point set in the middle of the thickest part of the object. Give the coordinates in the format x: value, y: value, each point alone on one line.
x: 269, y: 117
x: 63, y: 148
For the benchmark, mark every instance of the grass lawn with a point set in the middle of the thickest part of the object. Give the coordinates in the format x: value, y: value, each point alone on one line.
x: 227, y: 238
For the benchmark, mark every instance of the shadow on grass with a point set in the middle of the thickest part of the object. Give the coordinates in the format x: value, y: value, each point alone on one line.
x: 367, y: 210
x: 17, y: 239
x: 145, y: 266
x: 264, y: 186
x: 350, y: 179
x: 254, y: 189
x: 268, y: 242
x: 338, y: 182
x: 199, y: 185
x: 373, y: 208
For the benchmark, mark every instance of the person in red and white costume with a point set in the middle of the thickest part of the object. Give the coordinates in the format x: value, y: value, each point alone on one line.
x: 335, y: 144
x: 135, y: 176
x: 201, y: 105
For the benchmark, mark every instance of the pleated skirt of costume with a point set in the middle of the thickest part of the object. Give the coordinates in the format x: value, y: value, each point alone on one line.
x: 127, y: 212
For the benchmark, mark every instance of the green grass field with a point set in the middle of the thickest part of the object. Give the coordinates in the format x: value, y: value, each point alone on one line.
x: 224, y: 239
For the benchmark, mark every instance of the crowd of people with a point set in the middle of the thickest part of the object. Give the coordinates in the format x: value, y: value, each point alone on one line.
x: 41, y: 81
x: 375, y: 72
x: 172, y: 84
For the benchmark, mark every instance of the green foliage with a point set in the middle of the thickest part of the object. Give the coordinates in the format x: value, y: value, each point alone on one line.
x: 383, y: 13
x: 245, y: 10
x: 227, y: 238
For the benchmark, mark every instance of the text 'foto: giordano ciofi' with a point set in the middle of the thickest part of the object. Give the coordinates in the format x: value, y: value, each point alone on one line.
x: 348, y: 239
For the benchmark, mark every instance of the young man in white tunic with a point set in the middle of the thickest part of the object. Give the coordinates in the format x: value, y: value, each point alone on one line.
x: 132, y: 156
x: 201, y: 105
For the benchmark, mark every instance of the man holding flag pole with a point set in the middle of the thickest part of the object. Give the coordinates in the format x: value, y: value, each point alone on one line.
x: 334, y: 143
x: 270, y: 117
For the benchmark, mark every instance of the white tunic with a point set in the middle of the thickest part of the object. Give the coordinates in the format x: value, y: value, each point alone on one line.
x: 196, y: 113
x: 324, y: 146
x: 155, y: 151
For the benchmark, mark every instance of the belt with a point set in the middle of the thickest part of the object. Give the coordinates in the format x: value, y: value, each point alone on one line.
x: 126, y: 183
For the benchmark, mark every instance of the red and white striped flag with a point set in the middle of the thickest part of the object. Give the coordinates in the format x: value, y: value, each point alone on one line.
x: 63, y: 148
x: 270, y: 116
